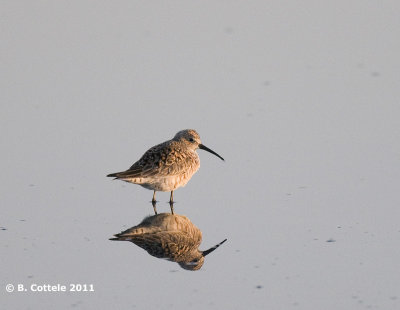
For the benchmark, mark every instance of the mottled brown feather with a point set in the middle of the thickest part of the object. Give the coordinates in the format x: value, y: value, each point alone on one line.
x: 165, y: 159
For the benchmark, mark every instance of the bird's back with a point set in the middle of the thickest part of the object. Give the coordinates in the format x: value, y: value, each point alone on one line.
x: 163, y: 167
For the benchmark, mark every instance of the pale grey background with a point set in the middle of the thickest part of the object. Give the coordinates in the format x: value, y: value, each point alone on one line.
x: 302, y: 100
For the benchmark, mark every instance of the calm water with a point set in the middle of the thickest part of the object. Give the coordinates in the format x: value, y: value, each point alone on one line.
x: 300, y: 100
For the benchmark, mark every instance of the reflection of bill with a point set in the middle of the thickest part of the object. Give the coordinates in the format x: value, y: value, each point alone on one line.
x: 169, y: 236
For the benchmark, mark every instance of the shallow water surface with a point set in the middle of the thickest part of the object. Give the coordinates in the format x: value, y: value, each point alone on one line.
x: 301, y: 100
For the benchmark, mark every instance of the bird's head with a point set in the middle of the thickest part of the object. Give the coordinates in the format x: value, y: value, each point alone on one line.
x: 191, y: 139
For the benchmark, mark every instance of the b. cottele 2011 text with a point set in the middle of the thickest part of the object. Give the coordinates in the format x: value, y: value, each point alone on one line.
x: 57, y: 288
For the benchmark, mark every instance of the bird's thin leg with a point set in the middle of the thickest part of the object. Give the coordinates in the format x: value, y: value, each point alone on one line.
x: 154, y: 197
x: 153, y: 202
x: 171, y: 202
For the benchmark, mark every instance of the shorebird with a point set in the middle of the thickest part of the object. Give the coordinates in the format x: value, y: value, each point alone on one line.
x: 168, y: 165
x: 171, y: 237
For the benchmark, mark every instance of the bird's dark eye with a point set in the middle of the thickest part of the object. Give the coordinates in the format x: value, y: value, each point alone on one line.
x: 191, y: 140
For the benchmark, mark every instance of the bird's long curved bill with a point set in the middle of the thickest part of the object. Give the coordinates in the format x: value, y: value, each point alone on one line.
x: 206, y: 252
x: 203, y: 147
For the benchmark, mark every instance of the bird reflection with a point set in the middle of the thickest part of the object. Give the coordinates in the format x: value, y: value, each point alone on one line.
x: 169, y: 236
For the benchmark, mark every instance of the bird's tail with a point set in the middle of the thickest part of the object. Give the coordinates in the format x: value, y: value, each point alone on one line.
x: 113, y: 175
x: 119, y: 237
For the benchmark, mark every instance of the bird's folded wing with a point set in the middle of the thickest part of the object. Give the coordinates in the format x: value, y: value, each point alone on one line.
x: 159, y: 166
